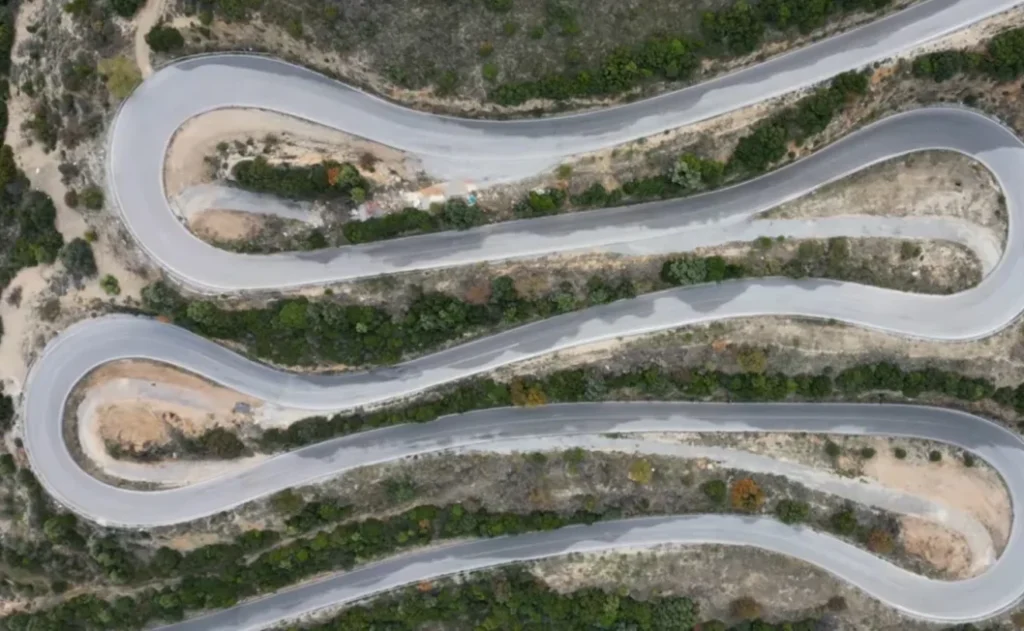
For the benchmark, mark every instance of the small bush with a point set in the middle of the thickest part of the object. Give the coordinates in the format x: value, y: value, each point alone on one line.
x: 71, y: 198
x: 746, y: 495
x: 110, y: 285
x: 836, y: 604
x: 92, y: 198
x: 843, y: 522
x: 900, y: 453
x: 935, y: 455
x: 792, y: 512
x: 121, y: 75
x: 832, y: 449
x: 287, y: 502
x: 489, y: 71
x: 969, y: 460
x: 641, y: 471
x: 401, y: 490
x: 714, y: 490
x: 867, y: 453
x: 126, y: 8
x: 77, y: 257
x: 163, y: 39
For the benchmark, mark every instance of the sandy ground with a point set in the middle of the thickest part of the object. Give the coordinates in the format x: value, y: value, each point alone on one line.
x: 932, y: 183
x: 137, y: 403
x: 941, y: 547
x: 975, y: 490
x: 215, y: 224
x: 145, y: 19
x: 21, y: 327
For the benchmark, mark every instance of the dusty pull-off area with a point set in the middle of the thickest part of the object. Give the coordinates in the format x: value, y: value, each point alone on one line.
x: 931, y: 183
x: 137, y: 404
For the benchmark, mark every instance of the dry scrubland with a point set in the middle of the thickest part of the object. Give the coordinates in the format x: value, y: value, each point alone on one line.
x: 71, y: 68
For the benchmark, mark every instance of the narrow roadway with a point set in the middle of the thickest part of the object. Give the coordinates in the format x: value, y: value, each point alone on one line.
x: 480, y: 150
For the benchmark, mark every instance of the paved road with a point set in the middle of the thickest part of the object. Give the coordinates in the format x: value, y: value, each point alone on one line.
x: 480, y: 150
x: 917, y: 596
x: 477, y: 150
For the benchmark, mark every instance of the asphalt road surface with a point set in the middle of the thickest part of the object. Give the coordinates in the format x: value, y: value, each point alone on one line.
x: 480, y: 151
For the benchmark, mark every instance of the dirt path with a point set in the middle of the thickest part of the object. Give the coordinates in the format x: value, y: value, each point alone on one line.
x: 146, y: 19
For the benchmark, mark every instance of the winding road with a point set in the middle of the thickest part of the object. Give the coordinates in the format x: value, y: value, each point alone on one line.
x: 495, y: 151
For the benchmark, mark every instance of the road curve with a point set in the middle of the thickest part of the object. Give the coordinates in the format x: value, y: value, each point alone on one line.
x: 480, y: 150
x: 462, y: 149
x: 973, y: 599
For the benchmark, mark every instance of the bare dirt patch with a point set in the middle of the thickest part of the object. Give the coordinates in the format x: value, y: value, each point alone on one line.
x: 941, y: 547
x: 138, y: 404
x: 922, y: 184
x: 976, y: 490
x: 215, y: 225
x: 715, y: 576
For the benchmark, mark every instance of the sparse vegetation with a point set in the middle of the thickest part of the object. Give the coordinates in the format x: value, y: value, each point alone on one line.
x: 641, y: 471
x: 92, y: 198
x: 121, y: 74
x: 330, y: 331
x: 557, y: 50
x: 110, y: 285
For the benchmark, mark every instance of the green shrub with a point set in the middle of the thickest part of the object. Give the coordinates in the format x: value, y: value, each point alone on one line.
x: 164, y: 39
x: 900, y: 453
x: 92, y: 198
x: 489, y: 71
x: 715, y: 490
x: 843, y: 522
x: 792, y: 511
x: 328, y: 179
x: 867, y: 453
x: 77, y: 257
x: 110, y: 285
x: 832, y: 449
x: 935, y: 455
x: 126, y: 8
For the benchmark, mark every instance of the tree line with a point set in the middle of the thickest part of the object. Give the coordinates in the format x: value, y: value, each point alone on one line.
x: 1002, y: 60
x: 735, y: 30
x: 302, y: 331
x: 26, y: 216
x: 650, y: 383
x: 325, y: 180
